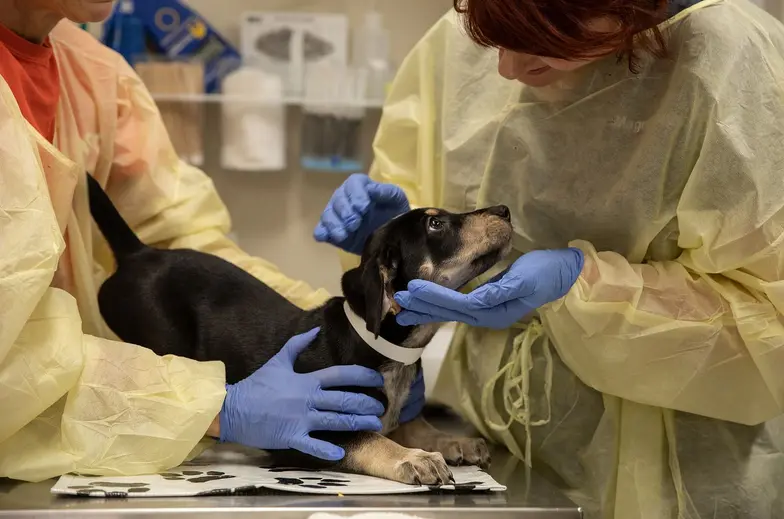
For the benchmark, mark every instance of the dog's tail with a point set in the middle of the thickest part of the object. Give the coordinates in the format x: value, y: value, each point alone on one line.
x: 122, y: 240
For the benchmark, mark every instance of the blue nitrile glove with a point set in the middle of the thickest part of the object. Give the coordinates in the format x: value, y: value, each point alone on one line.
x: 356, y: 209
x: 416, y: 400
x: 535, y: 279
x: 277, y: 408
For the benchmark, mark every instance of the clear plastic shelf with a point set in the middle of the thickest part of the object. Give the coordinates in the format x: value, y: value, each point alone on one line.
x: 292, y: 101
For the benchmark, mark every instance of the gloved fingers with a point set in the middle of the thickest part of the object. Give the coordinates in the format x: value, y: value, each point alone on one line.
x: 349, y: 215
x: 318, y: 448
x: 504, y: 315
x: 296, y: 345
x: 431, y: 293
x: 416, y: 399
x: 497, y: 277
x: 432, y: 315
x: 440, y: 303
x: 508, y: 288
x: 320, y: 233
x: 418, y: 386
x: 358, y: 376
x: 419, y: 380
x: 335, y: 230
x: 412, y: 409
x: 357, y: 193
x: 386, y: 194
x: 349, y: 403
x: 487, y: 296
x: 499, y: 317
x: 339, y: 422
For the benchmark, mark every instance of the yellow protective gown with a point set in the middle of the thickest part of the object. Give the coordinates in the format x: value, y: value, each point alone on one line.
x: 665, y: 397
x: 72, y: 397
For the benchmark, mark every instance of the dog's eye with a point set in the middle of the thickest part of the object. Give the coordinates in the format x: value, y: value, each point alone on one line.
x: 434, y: 224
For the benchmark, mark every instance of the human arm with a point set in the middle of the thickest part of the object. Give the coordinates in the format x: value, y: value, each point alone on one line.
x: 171, y: 204
x: 700, y: 333
x: 71, y: 401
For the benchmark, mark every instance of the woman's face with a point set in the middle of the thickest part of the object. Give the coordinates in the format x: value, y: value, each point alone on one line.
x: 533, y: 70
x: 536, y: 71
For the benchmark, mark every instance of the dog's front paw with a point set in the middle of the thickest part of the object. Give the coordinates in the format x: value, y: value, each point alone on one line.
x: 423, y: 468
x: 465, y: 451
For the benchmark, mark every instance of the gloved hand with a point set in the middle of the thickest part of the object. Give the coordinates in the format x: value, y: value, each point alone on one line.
x: 356, y: 209
x: 416, y: 400
x: 535, y: 279
x: 277, y: 408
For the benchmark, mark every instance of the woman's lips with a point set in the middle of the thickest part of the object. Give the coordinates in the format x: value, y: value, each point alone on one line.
x: 538, y: 71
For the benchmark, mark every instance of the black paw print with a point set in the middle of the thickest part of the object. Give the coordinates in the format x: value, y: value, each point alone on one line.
x: 195, y: 476
x: 100, y: 487
x: 313, y: 482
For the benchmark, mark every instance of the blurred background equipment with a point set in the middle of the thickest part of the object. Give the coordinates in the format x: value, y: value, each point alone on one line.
x: 285, y: 43
x: 333, y: 112
x: 184, y: 121
x: 255, y: 140
x: 254, y: 121
x: 305, y: 52
x: 371, y: 52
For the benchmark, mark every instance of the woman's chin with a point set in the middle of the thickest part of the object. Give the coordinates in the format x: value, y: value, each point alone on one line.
x: 90, y: 11
x: 540, y: 80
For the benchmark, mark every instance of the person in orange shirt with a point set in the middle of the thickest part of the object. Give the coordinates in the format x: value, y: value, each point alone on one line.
x: 72, y: 396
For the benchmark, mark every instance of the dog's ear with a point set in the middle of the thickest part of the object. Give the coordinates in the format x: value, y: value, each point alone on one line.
x: 378, y: 273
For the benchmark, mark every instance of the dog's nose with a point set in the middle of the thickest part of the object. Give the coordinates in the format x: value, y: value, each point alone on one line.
x: 500, y: 210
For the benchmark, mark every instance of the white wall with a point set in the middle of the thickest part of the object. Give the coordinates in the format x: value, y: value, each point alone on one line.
x: 274, y: 213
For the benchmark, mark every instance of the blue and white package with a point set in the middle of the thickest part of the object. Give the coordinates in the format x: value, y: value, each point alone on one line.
x: 178, y: 32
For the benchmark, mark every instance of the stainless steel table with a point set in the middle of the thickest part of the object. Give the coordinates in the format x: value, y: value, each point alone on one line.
x: 528, y: 497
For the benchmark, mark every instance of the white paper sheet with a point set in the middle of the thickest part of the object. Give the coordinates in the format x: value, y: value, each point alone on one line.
x: 226, y: 470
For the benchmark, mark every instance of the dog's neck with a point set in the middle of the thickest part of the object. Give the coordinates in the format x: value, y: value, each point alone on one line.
x: 404, y: 355
x: 414, y: 337
x: 391, y: 331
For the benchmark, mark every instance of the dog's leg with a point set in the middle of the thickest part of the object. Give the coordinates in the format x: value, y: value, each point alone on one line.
x: 375, y: 455
x: 457, y: 450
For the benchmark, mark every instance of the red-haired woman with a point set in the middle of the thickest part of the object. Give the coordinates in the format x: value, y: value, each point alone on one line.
x: 640, y: 148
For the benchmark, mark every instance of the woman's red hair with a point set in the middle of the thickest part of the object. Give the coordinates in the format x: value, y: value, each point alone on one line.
x: 562, y: 28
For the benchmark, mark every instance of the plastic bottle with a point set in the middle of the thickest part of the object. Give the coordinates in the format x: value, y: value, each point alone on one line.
x: 254, y: 121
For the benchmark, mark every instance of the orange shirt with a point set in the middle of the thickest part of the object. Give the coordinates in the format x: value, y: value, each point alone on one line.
x: 31, y: 72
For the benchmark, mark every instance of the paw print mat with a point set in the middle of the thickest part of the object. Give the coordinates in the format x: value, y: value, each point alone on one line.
x: 226, y: 470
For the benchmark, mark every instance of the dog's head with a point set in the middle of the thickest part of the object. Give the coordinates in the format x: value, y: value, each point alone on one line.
x: 432, y: 244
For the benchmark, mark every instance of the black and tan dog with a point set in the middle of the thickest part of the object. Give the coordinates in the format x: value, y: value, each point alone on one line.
x: 196, y: 305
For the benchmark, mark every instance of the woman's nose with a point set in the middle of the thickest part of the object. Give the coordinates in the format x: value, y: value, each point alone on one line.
x: 507, y: 66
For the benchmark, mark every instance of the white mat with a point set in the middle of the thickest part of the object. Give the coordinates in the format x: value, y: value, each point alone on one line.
x: 227, y: 470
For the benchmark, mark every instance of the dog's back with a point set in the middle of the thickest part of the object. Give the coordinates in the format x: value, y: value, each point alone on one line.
x: 187, y: 303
